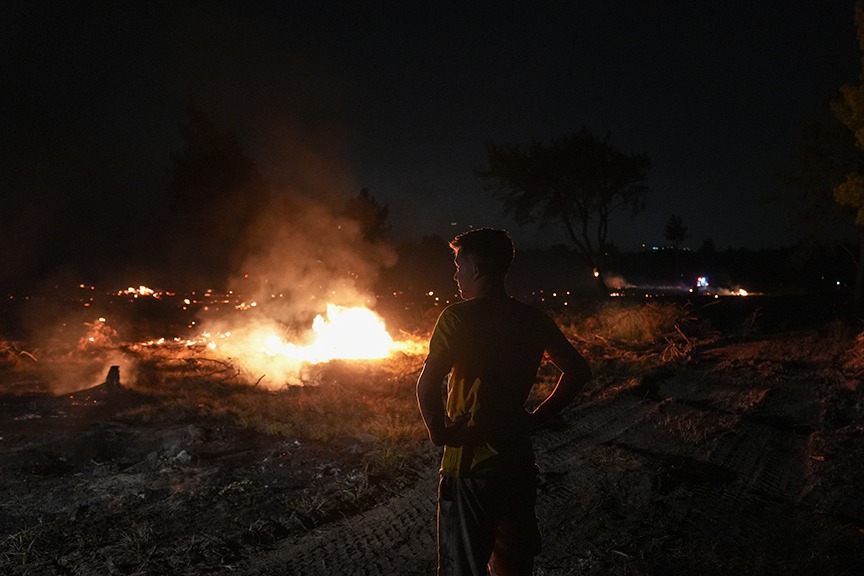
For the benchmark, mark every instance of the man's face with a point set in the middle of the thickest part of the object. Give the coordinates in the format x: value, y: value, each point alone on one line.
x: 465, y: 276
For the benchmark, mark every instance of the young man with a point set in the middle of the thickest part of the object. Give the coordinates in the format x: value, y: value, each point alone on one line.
x: 491, y: 346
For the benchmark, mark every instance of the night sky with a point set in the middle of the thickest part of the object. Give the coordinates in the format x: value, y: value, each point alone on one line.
x: 329, y: 98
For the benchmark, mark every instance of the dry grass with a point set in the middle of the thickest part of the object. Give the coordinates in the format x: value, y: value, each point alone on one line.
x: 632, y: 324
x: 344, y: 399
x: 623, y: 341
x: 853, y: 362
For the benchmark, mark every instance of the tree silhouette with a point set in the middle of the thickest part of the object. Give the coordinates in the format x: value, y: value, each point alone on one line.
x: 849, y: 109
x: 708, y: 247
x: 216, y: 192
x: 371, y: 215
x: 826, y: 154
x: 577, y: 182
x: 676, y: 232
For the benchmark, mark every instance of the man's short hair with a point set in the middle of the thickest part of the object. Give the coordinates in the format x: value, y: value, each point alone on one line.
x: 487, y: 246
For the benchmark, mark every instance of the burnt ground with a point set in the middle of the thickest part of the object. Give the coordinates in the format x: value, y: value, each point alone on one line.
x: 745, y: 460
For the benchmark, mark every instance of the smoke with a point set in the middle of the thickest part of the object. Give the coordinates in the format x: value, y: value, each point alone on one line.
x: 295, y: 252
x: 288, y: 112
x: 616, y: 281
x: 68, y: 355
x: 302, y: 254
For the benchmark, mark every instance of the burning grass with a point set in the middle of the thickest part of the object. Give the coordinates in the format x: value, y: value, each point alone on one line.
x: 336, y: 398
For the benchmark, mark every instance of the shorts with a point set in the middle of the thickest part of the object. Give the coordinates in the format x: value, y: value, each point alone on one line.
x: 487, y: 524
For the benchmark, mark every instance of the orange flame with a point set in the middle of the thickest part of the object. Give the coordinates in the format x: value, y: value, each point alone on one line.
x: 344, y: 333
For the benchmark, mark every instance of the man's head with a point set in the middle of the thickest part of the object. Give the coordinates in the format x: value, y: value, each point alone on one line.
x: 482, y: 258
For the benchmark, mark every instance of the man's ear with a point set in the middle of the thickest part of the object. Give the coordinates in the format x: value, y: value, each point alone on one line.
x: 478, y: 269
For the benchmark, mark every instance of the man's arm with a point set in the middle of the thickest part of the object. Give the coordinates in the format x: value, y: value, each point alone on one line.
x: 575, y: 373
x: 429, y: 399
x: 442, y: 430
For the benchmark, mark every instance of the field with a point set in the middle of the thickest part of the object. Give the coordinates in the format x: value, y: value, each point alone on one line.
x: 716, y: 438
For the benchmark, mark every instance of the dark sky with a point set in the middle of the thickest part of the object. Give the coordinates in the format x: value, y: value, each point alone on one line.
x: 401, y: 99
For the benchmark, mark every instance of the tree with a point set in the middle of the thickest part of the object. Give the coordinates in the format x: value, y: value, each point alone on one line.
x: 216, y: 193
x: 676, y: 232
x: 577, y: 182
x: 371, y: 215
x: 849, y: 109
x: 708, y: 247
x: 827, y: 153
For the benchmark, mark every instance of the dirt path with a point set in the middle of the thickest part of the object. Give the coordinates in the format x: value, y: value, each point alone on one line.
x: 746, y: 462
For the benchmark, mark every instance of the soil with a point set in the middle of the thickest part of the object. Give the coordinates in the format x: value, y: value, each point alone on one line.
x: 747, y: 459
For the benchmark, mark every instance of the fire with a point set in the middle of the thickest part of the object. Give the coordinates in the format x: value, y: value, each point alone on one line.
x: 140, y: 291
x: 351, y: 334
x: 345, y: 333
x: 263, y: 347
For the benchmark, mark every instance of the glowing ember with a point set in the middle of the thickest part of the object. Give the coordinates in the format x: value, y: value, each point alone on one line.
x: 140, y: 291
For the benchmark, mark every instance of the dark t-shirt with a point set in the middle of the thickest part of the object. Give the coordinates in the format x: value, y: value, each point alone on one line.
x: 494, y: 346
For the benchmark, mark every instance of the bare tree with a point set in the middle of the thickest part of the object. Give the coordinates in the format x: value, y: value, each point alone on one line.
x: 577, y: 182
x: 676, y: 232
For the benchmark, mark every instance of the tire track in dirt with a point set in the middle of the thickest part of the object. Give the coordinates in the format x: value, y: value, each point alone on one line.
x: 724, y: 446
x: 754, y: 429
x: 562, y: 451
x: 709, y: 455
x: 395, y: 537
x: 398, y: 536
